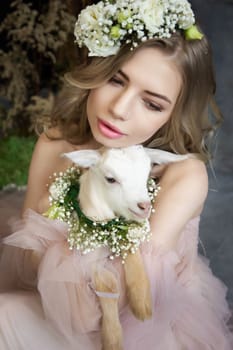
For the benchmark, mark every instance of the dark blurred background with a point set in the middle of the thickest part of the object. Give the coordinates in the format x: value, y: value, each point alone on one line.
x: 32, y: 61
x: 216, y: 228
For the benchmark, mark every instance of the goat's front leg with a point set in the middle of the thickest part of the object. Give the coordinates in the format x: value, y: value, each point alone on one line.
x: 138, y: 286
x: 107, y: 290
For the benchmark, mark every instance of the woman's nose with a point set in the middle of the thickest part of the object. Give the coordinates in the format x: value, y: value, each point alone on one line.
x: 120, y: 106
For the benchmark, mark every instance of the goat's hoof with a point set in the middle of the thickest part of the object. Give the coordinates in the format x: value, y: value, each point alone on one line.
x: 116, y: 346
x: 105, y: 281
x: 141, y: 304
x: 111, y: 337
x: 143, y: 312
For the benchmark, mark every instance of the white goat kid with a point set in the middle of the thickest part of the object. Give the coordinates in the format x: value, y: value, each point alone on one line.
x: 115, y: 184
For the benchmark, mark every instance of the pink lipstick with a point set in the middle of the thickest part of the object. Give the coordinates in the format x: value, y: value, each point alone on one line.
x: 109, y: 130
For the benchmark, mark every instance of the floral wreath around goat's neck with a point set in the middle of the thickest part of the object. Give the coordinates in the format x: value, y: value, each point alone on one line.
x: 119, y: 235
x: 104, y: 27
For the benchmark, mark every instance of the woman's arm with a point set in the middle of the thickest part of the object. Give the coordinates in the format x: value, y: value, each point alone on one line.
x: 46, y: 160
x: 184, y: 187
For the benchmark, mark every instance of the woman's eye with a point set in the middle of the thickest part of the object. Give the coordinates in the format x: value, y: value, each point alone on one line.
x: 116, y: 81
x: 110, y: 180
x: 153, y: 107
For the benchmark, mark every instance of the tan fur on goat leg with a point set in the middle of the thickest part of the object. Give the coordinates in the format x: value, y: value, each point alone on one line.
x: 138, y: 287
x: 110, y: 328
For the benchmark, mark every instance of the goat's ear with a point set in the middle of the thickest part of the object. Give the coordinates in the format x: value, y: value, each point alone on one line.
x: 158, y: 156
x: 83, y: 158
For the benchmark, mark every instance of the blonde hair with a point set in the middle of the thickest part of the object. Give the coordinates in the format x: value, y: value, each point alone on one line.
x: 189, y: 126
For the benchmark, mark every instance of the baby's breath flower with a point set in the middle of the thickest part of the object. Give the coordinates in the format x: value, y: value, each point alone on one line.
x: 119, y: 235
x: 105, y: 26
x: 152, y: 14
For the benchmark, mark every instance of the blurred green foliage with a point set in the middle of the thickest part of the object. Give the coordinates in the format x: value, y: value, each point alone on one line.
x: 15, y: 156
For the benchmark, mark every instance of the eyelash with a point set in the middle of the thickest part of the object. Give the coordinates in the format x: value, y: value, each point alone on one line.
x: 111, y: 180
x: 149, y: 105
x: 153, y: 107
x: 116, y: 80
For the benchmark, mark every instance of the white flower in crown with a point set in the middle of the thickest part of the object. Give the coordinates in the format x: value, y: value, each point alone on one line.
x: 152, y: 14
x: 101, y: 48
x: 182, y: 9
x: 91, y: 30
x: 105, y: 26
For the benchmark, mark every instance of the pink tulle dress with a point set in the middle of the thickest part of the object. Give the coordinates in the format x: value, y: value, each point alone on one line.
x: 57, y: 308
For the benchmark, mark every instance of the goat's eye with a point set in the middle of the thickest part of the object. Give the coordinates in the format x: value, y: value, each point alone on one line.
x: 110, y: 180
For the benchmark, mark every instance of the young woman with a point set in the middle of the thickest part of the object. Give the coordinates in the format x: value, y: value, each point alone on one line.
x: 145, y: 78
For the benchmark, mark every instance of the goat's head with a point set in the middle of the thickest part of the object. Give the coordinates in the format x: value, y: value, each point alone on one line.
x: 120, y: 176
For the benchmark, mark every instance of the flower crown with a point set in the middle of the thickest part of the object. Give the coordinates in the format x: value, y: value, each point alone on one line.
x: 105, y: 26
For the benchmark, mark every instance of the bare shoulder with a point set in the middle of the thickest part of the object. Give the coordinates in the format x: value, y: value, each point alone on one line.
x: 46, y: 160
x: 189, y: 175
x: 48, y: 152
x: 186, y: 182
x: 184, y: 187
x: 46, y: 144
x: 46, y: 155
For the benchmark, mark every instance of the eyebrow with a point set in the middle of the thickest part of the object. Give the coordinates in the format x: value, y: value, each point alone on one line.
x: 155, y: 94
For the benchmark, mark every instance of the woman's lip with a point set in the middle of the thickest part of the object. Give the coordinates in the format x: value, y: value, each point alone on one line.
x: 109, y: 130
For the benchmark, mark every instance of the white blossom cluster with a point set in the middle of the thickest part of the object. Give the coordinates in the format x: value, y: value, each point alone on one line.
x: 61, y: 183
x: 119, y: 235
x: 121, y: 238
x: 104, y: 26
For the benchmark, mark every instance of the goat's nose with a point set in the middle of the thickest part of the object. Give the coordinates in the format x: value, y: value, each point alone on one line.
x: 145, y: 206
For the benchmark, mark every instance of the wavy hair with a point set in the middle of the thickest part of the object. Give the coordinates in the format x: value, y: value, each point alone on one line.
x: 190, y: 124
